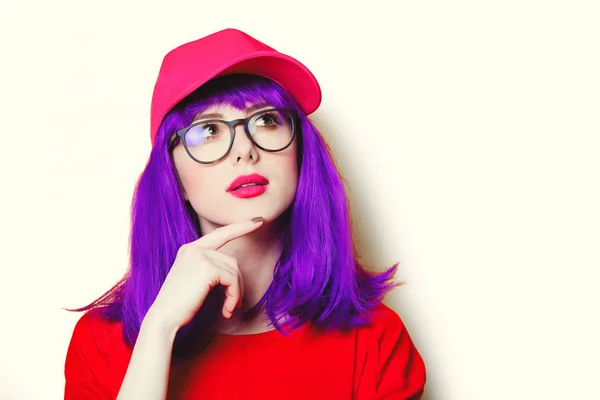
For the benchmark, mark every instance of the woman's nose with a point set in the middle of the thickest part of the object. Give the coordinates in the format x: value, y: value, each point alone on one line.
x: 242, y: 146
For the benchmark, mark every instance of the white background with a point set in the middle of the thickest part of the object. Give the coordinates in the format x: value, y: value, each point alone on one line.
x: 467, y: 130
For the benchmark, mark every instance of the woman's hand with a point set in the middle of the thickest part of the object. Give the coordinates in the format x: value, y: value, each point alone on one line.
x: 198, y: 268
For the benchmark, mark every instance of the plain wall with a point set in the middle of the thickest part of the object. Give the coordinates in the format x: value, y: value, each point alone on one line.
x: 467, y: 131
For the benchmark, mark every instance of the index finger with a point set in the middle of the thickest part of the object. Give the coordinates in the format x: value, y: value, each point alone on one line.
x: 217, y: 238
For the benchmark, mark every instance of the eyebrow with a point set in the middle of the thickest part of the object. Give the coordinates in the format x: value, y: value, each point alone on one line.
x: 249, y: 110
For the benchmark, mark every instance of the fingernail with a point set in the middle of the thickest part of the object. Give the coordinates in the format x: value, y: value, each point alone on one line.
x: 257, y: 219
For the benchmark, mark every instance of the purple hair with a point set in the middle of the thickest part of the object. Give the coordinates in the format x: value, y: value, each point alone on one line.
x: 318, y: 277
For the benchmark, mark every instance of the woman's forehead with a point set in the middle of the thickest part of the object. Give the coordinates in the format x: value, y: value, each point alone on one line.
x: 218, y: 110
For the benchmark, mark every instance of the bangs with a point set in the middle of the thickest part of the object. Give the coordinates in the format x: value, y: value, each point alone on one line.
x: 237, y: 91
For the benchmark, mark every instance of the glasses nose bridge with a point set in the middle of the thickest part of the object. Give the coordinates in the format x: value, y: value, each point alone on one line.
x: 234, y: 123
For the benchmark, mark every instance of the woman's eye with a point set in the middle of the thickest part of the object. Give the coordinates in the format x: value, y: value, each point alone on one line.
x: 267, y: 120
x: 211, y: 129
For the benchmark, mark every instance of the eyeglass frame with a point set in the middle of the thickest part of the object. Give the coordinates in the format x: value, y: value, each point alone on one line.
x: 232, y: 124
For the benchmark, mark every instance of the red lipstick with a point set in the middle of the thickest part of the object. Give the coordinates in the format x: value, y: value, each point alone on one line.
x: 253, y: 185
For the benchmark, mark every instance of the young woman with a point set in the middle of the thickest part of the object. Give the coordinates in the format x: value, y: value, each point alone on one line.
x: 244, y: 281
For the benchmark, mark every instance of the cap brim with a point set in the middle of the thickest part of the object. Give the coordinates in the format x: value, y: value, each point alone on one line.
x: 288, y: 72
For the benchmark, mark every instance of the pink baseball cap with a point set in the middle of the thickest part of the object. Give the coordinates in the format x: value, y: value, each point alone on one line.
x: 230, y: 51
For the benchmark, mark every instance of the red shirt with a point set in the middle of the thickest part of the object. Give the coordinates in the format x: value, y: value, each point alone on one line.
x: 378, y: 361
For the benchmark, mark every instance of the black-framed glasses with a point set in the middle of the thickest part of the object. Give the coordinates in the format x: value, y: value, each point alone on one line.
x: 210, y: 140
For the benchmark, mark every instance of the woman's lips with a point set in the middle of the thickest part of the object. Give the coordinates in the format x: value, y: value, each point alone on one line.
x: 247, y: 179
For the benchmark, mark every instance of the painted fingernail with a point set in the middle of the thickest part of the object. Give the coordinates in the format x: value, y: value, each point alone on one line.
x: 257, y: 219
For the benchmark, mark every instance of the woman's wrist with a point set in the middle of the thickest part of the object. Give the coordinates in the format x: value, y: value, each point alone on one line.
x: 158, y: 326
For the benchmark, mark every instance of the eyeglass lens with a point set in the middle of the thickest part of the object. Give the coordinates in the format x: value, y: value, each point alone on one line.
x: 209, y: 141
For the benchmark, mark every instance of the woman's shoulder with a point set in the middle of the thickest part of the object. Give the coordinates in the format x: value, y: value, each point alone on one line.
x: 97, y: 357
x: 385, y: 330
x: 391, y: 357
x: 379, y: 324
x: 94, y: 328
x: 383, y: 319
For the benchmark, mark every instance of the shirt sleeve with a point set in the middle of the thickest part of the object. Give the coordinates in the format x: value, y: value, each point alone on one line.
x: 394, y: 369
x: 85, y: 366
